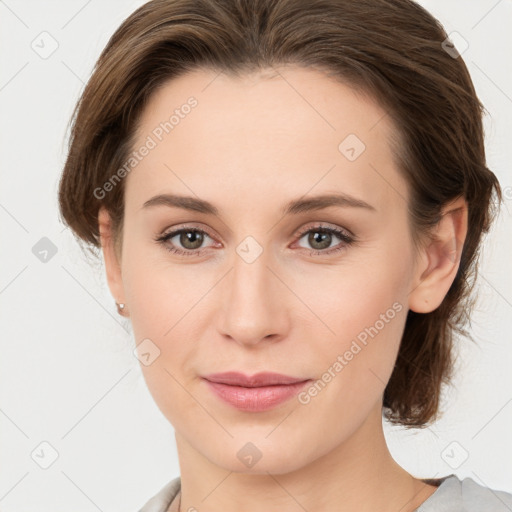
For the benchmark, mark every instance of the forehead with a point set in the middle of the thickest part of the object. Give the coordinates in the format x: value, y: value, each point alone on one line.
x: 291, y: 128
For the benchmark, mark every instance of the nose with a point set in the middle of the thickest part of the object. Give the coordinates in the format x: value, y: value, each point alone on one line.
x: 254, y: 303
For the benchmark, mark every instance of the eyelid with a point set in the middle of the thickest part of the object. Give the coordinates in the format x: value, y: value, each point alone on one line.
x: 302, y: 231
x: 324, y: 225
x: 186, y: 227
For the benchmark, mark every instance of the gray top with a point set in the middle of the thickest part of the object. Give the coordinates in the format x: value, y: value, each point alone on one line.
x: 452, y: 495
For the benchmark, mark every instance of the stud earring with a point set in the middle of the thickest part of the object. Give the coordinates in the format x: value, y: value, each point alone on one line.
x: 120, y: 307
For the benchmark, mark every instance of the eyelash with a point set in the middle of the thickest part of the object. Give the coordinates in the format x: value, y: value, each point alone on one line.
x: 346, y: 238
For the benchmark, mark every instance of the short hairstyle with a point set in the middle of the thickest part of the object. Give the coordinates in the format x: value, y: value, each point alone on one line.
x: 393, y: 51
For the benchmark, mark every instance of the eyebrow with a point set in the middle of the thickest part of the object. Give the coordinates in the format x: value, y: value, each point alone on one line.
x: 294, y: 207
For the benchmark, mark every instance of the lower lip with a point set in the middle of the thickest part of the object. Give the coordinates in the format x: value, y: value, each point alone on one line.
x: 255, y: 399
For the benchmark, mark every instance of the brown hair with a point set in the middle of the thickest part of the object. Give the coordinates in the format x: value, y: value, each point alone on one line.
x: 389, y: 49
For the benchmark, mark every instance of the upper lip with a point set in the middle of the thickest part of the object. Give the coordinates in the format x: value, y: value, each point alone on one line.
x: 254, y: 381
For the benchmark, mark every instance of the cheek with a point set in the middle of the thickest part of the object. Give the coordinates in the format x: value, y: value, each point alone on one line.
x: 364, y: 325
x: 161, y: 313
x: 362, y: 307
x: 353, y: 365
x: 153, y: 291
x: 162, y: 299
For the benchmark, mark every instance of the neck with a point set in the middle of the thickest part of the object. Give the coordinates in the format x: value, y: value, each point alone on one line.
x: 357, y: 475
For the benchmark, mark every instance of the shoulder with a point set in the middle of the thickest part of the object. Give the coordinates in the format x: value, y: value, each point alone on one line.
x: 477, y: 497
x: 455, y: 495
x: 452, y: 495
x: 162, y: 499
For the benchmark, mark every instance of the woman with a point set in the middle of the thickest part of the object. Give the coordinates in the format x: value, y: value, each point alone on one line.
x: 289, y: 197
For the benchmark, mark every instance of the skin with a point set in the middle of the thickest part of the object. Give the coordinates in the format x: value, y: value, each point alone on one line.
x: 250, y: 146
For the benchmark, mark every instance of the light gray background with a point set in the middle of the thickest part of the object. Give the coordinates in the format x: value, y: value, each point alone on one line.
x: 68, y: 375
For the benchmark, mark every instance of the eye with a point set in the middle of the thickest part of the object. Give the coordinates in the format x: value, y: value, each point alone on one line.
x: 190, y: 239
x: 321, y: 237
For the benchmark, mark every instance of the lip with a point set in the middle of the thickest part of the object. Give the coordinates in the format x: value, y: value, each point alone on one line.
x: 257, y: 393
x: 256, y: 380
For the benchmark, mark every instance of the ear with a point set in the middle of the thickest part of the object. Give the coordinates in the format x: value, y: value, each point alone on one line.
x: 111, y: 257
x: 439, y: 259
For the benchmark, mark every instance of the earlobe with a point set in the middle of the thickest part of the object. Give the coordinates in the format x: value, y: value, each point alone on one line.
x: 111, y: 259
x: 440, y: 259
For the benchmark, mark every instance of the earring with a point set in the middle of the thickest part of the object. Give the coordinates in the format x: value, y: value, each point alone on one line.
x: 120, y: 307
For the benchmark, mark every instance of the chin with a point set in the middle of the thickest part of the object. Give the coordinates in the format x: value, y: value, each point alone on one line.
x: 256, y: 455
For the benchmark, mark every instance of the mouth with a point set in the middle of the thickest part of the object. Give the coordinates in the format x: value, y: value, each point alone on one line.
x: 256, y: 393
x: 254, y: 381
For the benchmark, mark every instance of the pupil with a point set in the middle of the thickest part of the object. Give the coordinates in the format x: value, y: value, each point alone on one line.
x: 324, y: 241
x: 193, y: 237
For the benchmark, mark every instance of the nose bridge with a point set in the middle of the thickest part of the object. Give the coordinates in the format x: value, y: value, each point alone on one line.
x: 251, y: 309
x: 250, y: 271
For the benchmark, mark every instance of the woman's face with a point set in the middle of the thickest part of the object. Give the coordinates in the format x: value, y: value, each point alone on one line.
x: 261, y: 284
